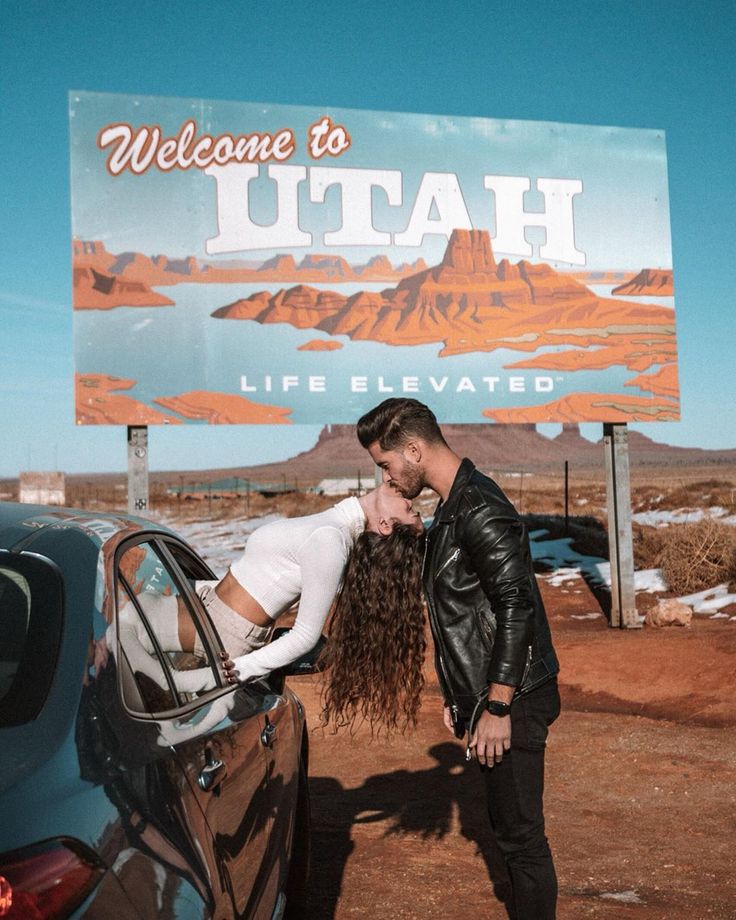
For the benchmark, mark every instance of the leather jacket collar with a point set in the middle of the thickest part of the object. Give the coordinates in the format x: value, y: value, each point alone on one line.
x: 446, y: 511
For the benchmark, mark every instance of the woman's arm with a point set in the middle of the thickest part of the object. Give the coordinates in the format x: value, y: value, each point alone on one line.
x: 322, y: 561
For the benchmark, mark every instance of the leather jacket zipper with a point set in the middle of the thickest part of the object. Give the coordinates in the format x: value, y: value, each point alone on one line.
x: 447, y: 562
x: 444, y: 680
x: 440, y: 660
x: 526, y: 666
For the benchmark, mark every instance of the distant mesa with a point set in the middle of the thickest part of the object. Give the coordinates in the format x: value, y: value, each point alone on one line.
x: 591, y: 407
x: 279, y: 265
x: 471, y: 303
x: 333, y: 267
x: 224, y: 409
x: 143, y: 272
x: 95, y: 290
x: 320, y: 345
x: 98, y: 402
x: 377, y: 265
x: 650, y: 282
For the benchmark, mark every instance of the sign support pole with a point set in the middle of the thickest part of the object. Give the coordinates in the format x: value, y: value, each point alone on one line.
x: 620, y: 538
x: 137, y: 469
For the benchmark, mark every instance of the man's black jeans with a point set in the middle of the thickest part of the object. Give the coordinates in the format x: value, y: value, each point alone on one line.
x: 515, y: 790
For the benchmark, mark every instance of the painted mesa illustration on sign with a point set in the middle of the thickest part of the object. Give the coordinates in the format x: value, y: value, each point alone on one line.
x: 244, y: 263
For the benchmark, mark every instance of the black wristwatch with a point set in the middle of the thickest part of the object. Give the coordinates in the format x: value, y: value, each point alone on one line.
x: 497, y: 708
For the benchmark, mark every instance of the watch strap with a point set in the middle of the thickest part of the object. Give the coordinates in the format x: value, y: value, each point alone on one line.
x: 498, y: 708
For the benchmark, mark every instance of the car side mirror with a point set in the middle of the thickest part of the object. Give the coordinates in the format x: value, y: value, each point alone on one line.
x: 308, y: 663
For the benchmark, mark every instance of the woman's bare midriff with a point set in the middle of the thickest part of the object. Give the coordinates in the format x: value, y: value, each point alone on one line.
x: 232, y: 593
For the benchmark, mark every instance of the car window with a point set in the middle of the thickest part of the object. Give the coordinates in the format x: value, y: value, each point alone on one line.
x: 153, y: 612
x: 15, y: 616
x: 31, y: 612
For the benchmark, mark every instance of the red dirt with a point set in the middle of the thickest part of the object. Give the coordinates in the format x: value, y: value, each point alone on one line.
x: 640, y: 800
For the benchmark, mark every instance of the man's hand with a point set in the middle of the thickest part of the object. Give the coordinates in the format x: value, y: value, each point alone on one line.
x: 447, y: 719
x: 491, y: 738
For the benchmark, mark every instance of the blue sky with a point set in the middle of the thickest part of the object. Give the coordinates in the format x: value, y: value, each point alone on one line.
x: 660, y: 65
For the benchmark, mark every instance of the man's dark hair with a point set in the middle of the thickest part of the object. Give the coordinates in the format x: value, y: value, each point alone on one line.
x: 395, y: 421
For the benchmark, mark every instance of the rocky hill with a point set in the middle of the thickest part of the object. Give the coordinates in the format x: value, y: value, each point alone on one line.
x: 498, y: 448
x: 337, y: 453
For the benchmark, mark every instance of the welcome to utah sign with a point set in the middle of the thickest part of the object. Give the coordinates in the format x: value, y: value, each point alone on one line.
x: 248, y: 263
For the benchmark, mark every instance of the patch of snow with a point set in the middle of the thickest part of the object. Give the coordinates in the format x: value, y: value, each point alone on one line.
x: 562, y: 576
x: 683, y: 516
x: 649, y: 580
x: 625, y: 897
x: 709, y: 601
x: 219, y: 543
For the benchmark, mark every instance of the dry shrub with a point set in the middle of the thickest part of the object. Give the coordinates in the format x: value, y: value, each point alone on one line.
x: 703, y: 493
x: 698, y: 556
x: 648, y: 543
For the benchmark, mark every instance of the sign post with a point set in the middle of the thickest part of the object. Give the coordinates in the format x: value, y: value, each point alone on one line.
x: 137, y: 469
x: 620, y: 540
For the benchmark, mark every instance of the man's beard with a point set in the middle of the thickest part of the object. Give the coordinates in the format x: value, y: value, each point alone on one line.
x: 412, y: 481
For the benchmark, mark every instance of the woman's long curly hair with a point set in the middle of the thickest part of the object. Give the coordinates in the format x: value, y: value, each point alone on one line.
x: 376, y: 646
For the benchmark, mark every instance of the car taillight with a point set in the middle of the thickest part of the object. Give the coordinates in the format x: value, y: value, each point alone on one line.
x: 47, y: 881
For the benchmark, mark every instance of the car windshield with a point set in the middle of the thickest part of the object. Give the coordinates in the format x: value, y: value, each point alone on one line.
x: 15, y: 617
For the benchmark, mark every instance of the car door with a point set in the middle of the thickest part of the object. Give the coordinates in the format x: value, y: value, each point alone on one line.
x: 218, y: 734
x: 253, y: 832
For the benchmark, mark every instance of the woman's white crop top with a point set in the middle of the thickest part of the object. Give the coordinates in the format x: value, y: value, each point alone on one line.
x: 296, y: 559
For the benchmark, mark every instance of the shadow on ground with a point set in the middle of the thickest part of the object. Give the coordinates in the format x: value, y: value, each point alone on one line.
x: 415, y: 803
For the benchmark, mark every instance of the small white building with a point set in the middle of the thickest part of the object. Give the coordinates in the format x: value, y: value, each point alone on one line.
x: 42, y: 488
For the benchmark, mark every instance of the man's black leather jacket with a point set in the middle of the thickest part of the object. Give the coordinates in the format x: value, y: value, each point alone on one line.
x: 488, y: 620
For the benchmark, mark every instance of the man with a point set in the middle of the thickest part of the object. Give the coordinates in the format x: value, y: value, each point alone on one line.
x: 493, y: 651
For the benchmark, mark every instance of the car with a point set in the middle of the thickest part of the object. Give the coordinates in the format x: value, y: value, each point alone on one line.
x: 135, y: 781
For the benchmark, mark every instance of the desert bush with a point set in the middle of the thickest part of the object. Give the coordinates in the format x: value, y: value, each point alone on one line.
x: 697, y: 556
x: 648, y: 543
x: 705, y: 492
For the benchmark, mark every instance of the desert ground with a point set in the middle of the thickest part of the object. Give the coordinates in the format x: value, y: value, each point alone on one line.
x: 641, y: 768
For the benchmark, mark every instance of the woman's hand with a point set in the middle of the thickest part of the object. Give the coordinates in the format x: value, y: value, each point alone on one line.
x: 228, y: 668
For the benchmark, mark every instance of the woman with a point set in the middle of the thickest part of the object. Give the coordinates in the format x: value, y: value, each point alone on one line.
x: 304, y: 559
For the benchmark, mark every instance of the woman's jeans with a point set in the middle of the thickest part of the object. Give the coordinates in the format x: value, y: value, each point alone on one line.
x: 515, y: 789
